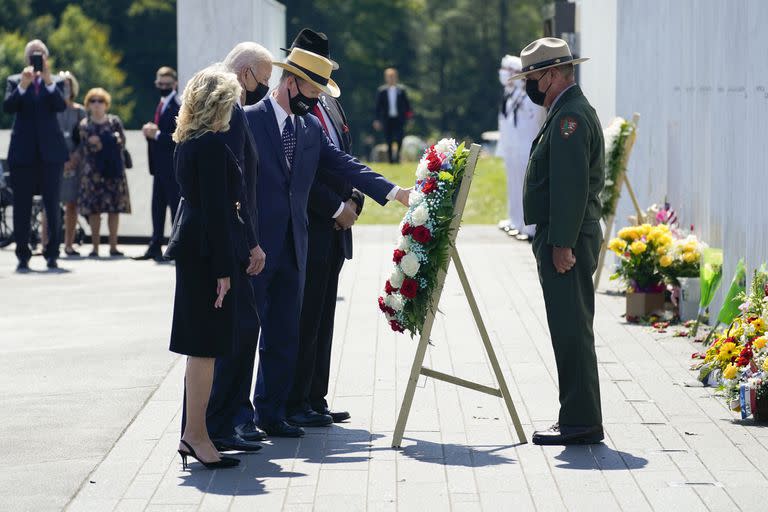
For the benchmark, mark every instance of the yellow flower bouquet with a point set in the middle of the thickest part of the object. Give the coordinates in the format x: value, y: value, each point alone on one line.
x: 640, y: 250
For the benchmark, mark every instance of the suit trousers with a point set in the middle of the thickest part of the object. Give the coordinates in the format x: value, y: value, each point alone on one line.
x: 394, y: 130
x: 316, y: 328
x: 278, y: 291
x: 165, y: 194
x: 230, y: 401
x: 26, y: 181
x: 570, y: 303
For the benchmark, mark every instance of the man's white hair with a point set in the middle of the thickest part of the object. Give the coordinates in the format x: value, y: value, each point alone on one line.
x: 512, y: 62
x: 246, y: 54
x: 35, y: 45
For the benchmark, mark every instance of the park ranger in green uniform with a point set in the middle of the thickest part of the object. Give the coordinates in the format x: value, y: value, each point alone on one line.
x: 561, y: 196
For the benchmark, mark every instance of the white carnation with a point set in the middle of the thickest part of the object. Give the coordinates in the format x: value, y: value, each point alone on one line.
x: 446, y: 147
x: 404, y: 243
x: 421, y: 170
x: 395, y: 301
x: 420, y: 215
x: 397, y: 277
x: 410, y: 264
x: 415, y: 198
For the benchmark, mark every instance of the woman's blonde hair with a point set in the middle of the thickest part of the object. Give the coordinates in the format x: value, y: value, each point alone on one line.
x: 206, y: 105
x: 98, y: 92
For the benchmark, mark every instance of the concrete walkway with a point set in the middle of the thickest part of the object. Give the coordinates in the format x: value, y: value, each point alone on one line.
x: 668, y: 446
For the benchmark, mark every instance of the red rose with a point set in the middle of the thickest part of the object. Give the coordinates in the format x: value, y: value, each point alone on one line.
x: 389, y: 288
x: 430, y: 185
x: 410, y: 288
x: 742, y: 361
x: 407, y: 229
x: 421, y: 234
x: 382, y: 306
x: 395, y: 325
x: 433, y: 161
x: 398, y: 255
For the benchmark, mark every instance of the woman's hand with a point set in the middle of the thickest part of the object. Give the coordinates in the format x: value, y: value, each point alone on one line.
x: 257, y: 261
x: 222, y: 287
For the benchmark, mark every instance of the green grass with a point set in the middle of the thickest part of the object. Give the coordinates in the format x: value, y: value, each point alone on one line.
x: 487, y: 201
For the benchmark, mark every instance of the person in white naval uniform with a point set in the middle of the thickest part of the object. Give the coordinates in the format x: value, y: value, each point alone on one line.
x: 519, y: 122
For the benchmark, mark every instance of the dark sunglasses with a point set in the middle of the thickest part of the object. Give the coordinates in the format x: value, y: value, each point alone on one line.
x: 97, y: 100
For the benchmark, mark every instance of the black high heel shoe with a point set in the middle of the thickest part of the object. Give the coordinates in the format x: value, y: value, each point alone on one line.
x: 224, y: 462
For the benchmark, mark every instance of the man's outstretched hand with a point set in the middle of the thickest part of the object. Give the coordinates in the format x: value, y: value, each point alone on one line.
x: 403, y: 195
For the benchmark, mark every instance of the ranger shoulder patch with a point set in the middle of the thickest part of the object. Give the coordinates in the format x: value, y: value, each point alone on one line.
x: 568, y: 126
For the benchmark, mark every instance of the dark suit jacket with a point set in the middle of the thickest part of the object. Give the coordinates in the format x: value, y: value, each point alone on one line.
x: 36, y: 136
x: 329, y: 191
x: 239, y: 139
x: 404, y: 111
x: 283, y: 193
x: 161, y: 150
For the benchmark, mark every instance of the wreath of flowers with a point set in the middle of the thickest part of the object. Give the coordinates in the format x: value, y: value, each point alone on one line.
x: 423, y: 248
x: 615, y: 138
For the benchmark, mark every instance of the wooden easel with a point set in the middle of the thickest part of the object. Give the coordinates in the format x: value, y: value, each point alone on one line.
x: 418, y: 362
x: 622, y: 179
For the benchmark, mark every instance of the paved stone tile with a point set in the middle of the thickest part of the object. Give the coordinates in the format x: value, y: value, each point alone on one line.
x: 668, y: 447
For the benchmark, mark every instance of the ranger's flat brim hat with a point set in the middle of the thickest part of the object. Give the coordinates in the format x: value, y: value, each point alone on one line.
x: 545, y: 53
x: 313, y: 68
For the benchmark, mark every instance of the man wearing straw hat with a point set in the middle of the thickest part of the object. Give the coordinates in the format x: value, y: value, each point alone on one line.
x: 292, y: 146
x: 561, y: 196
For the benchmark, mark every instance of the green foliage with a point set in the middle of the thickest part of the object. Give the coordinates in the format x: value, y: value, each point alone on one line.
x: 11, y: 54
x: 487, y: 202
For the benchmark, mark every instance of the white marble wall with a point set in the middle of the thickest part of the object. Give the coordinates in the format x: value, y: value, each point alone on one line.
x: 695, y: 71
x: 208, y: 29
x: 597, y: 22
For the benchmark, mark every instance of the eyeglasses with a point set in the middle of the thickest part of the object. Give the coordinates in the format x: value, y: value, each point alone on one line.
x: 97, y: 100
x: 164, y: 85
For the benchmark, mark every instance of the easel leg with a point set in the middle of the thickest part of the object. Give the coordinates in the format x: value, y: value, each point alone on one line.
x: 603, y: 250
x: 488, y: 346
x: 410, y: 390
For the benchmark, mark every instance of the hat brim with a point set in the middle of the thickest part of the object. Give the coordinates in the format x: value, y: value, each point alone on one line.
x: 335, y: 64
x: 330, y: 89
x: 526, y: 73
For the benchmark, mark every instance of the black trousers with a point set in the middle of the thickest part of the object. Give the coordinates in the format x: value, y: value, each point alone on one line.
x: 394, y: 130
x: 313, y: 366
x: 165, y: 194
x: 26, y: 181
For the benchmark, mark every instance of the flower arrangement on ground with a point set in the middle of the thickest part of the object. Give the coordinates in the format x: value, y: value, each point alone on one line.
x: 737, y: 362
x: 423, y: 248
x: 682, y: 259
x: 640, y: 249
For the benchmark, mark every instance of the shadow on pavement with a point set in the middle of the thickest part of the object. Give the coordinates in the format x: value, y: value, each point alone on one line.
x: 598, y: 456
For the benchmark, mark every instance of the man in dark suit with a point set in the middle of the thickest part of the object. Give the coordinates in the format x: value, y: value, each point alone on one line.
x: 392, y: 111
x: 37, y: 151
x: 230, y: 411
x: 292, y: 146
x: 333, y: 206
x: 165, y: 190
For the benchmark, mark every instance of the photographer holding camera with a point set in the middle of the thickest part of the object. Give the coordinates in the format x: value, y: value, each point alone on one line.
x: 37, y: 151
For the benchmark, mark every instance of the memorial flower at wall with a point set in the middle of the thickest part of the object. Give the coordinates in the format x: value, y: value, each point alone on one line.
x: 641, y: 250
x: 423, y: 248
x: 682, y: 258
x: 615, y: 137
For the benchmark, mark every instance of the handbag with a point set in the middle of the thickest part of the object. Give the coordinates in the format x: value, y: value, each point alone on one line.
x: 127, y: 158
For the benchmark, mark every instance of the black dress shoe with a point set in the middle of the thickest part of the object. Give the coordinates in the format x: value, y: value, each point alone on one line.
x: 250, y: 432
x: 309, y: 418
x: 51, y: 262
x: 151, y: 254
x: 338, y: 416
x: 281, y: 429
x: 235, y: 443
x: 23, y: 267
x: 562, y: 435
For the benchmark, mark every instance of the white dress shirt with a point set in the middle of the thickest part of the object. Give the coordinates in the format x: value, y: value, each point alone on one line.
x: 165, y: 100
x: 50, y: 88
x: 281, y: 115
x: 392, y: 96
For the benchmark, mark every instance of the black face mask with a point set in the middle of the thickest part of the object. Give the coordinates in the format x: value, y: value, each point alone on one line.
x: 253, y: 97
x: 300, y: 104
x: 532, y: 89
x: 164, y: 92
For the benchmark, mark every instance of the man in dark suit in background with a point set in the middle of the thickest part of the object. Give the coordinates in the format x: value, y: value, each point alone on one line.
x: 37, y: 151
x: 333, y: 207
x: 292, y: 146
x: 392, y: 111
x: 165, y: 190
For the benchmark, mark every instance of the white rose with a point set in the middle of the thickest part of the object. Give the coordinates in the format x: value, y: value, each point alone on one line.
x: 395, y: 301
x: 420, y: 215
x: 415, y: 198
x: 404, y: 243
x: 397, y: 277
x: 410, y: 264
x: 421, y: 170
